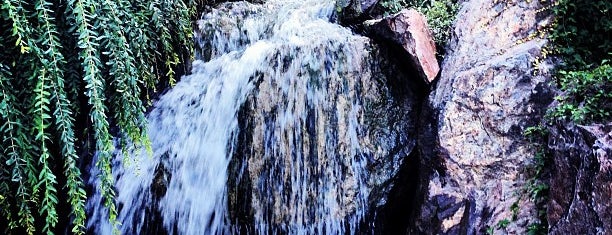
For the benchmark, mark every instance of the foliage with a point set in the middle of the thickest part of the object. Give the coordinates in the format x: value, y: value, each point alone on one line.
x: 440, y: 15
x: 581, y: 32
x: 71, y: 70
x: 587, y: 95
x: 581, y: 38
x: 502, y: 224
x: 536, y: 229
x: 394, y: 6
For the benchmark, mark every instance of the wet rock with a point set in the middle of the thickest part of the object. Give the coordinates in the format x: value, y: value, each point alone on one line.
x: 324, y: 146
x: 581, y: 183
x: 472, y: 150
x: 159, y: 186
x: 408, y: 29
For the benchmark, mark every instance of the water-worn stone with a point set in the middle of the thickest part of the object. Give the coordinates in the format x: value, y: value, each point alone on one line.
x: 474, y: 156
x: 408, y: 29
x: 581, y: 182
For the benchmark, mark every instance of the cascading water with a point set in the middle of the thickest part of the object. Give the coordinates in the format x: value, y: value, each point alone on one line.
x: 286, y: 100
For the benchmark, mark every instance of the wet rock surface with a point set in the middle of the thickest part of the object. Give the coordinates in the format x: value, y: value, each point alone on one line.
x: 473, y: 153
x: 581, y: 183
x: 322, y: 140
x: 229, y: 20
x: 315, y: 147
x: 408, y: 30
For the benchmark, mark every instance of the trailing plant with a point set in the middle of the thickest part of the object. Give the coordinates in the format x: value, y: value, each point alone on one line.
x: 581, y: 32
x: 71, y: 70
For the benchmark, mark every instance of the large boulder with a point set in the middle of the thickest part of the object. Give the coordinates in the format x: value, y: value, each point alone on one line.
x: 322, y: 151
x: 408, y: 30
x: 474, y: 156
x: 581, y: 182
x: 326, y: 129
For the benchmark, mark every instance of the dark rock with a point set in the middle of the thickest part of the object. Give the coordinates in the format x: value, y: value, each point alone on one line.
x: 471, y: 143
x: 315, y: 147
x: 159, y: 186
x: 581, y: 182
x: 355, y: 11
x: 408, y: 29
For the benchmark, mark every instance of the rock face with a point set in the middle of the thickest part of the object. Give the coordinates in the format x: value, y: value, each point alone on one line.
x: 581, y: 182
x: 408, y: 29
x: 472, y: 150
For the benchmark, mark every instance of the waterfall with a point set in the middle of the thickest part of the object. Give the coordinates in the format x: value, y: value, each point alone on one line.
x: 316, y: 122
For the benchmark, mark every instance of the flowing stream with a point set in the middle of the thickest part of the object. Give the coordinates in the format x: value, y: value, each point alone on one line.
x: 306, y: 81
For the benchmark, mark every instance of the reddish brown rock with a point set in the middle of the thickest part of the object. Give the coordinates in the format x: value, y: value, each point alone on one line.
x: 409, y: 30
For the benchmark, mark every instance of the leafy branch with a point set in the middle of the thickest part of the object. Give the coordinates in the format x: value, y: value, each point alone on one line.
x: 70, y: 71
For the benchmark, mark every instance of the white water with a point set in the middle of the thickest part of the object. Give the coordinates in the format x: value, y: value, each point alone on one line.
x: 194, y: 126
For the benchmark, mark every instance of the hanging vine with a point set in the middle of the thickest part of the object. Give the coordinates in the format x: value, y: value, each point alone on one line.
x: 69, y: 71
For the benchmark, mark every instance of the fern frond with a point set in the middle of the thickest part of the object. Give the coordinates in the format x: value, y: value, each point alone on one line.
x: 170, y: 57
x: 46, y: 178
x: 16, y: 13
x: 64, y: 124
x: 143, y: 41
x: 55, y: 54
x: 15, y: 133
x: 48, y: 81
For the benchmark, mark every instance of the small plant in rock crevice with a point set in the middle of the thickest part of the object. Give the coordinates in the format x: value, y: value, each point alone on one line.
x: 536, y: 187
x: 587, y: 95
x: 584, y: 46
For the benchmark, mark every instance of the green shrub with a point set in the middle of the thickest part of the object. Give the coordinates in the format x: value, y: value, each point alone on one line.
x: 440, y: 16
x: 581, y: 32
x: 394, y: 6
x: 587, y: 95
x: 580, y: 37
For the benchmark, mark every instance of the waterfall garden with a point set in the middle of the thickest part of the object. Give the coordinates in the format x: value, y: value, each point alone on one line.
x: 306, y: 117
